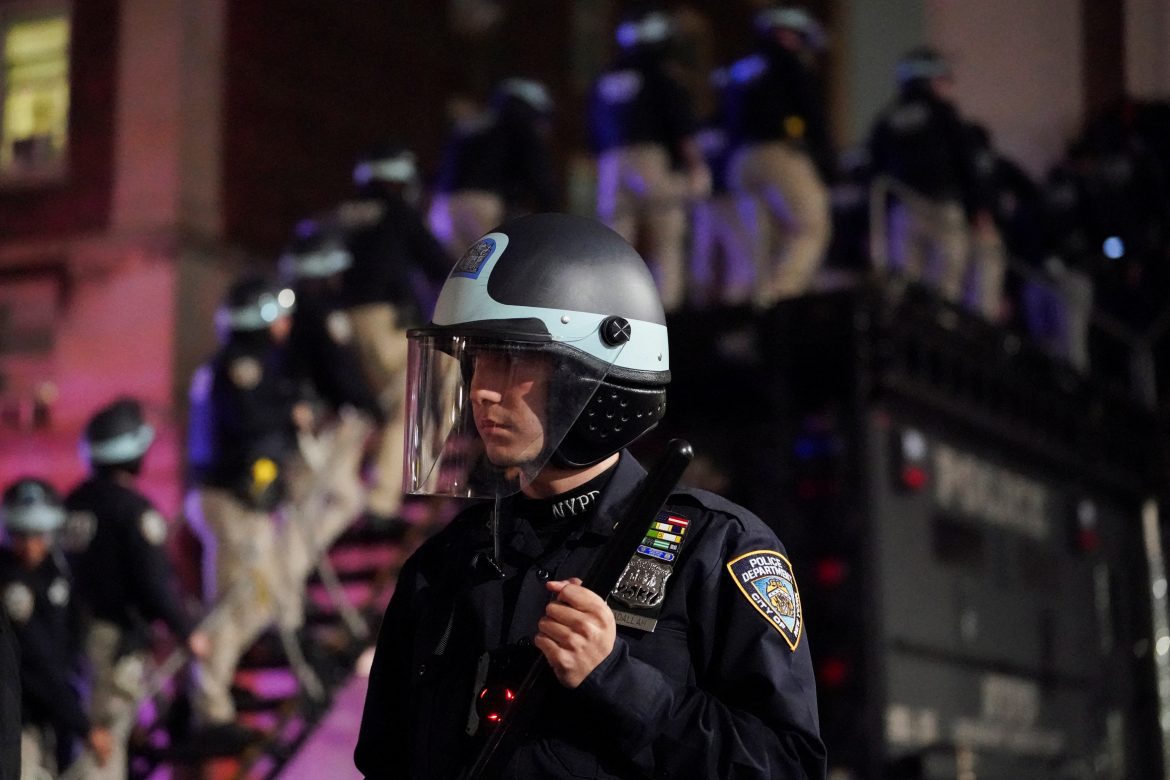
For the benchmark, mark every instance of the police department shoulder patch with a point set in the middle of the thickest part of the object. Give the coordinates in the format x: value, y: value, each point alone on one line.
x: 339, y: 327
x: 18, y: 602
x: 766, y: 580
x: 59, y: 592
x: 153, y: 527
x: 246, y: 372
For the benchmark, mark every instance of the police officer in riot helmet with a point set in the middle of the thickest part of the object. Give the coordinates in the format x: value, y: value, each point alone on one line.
x: 245, y: 412
x: 784, y: 159
x: 9, y: 700
x: 115, y: 539
x: 321, y: 342
x: 921, y: 143
x: 642, y: 129
x: 496, y: 162
x: 328, y: 491
x: 547, y: 355
x: 37, y: 598
x: 397, y: 266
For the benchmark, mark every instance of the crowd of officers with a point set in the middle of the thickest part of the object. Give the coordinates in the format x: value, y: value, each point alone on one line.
x: 295, y: 433
x: 751, y: 204
x: 296, y: 422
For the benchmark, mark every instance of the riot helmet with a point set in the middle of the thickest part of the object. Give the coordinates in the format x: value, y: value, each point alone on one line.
x: 117, y: 435
x: 389, y: 163
x: 531, y: 94
x: 645, y: 30
x: 548, y: 345
x: 254, y: 304
x: 922, y: 64
x: 792, y: 18
x: 317, y: 251
x: 31, y: 506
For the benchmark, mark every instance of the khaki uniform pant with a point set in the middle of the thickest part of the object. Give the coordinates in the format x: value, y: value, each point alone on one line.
x: 117, y: 681
x: 326, y: 494
x: 931, y: 239
x: 790, y: 241
x: 381, y: 342
x: 642, y: 199
x: 246, y: 569
x: 459, y: 219
x: 38, y: 759
x: 988, y: 267
x: 722, y: 238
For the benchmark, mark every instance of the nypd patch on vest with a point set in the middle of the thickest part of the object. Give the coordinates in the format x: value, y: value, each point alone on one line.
x: 766, y: 580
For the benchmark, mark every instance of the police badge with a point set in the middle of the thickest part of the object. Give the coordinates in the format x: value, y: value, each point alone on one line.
x: 642, y: 586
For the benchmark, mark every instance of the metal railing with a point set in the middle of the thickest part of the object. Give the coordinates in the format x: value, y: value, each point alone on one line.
x: 1140, y: 347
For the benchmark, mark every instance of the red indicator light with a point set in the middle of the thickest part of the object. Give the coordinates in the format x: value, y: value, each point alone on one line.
x: 831, y: 572
x: 914, y: 477
x: 494, y: 717
x: 833, y: 672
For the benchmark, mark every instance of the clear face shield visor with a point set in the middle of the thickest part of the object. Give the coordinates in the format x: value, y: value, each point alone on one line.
x: 483, y: 417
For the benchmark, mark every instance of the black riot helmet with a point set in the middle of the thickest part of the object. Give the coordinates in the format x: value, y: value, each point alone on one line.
x: 31, y: 506
x: 557, y: 299
x: 645, y: 29
x: 117, y: 436
x: 318, y: 250
x: 525, y: 100
x: 253, y: 305
x: 387, y: 162
x: 921, y: 64
x: 794, y: 18
x: 386, y: 170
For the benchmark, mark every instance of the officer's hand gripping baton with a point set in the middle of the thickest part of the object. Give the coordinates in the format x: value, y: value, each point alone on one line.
x: 601, y: 579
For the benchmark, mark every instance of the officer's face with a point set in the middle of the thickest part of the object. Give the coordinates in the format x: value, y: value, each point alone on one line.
x: 30, y: 549
x: 280, y: 329
x: 509, y: 402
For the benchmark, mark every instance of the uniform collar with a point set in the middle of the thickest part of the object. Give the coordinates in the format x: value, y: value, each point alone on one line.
x: 617, y: 496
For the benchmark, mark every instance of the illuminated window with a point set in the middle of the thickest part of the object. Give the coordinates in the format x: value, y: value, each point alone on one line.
x: 34, y: 90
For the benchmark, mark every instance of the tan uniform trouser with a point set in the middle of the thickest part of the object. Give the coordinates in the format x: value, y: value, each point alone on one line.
x: 790, y: 242
x: 459, y: 219
x: 381, y: 342
x: 931, y: 238
x: 722, y: 238
x: 988, y: 267
x: 326, y: 493
x: 38, y: 759
x: 246, y: 574
x: 117, y: 681
x: 643, y: 200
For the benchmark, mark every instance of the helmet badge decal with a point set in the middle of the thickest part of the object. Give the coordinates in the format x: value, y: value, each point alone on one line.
x: 475, y: 258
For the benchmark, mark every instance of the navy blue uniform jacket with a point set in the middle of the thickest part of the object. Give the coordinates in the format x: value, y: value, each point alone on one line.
x: 716, y: 691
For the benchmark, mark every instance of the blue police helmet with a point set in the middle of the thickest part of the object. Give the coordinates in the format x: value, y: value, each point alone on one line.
x: 253, y: 304
x: 921, y: 64
x: 388, y: 162
x: 117, y: 433
x: 318, y: 250
x: 792, y: 18
x: 567, y: 288
x: 648, y: 29
x: 31, y: 506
